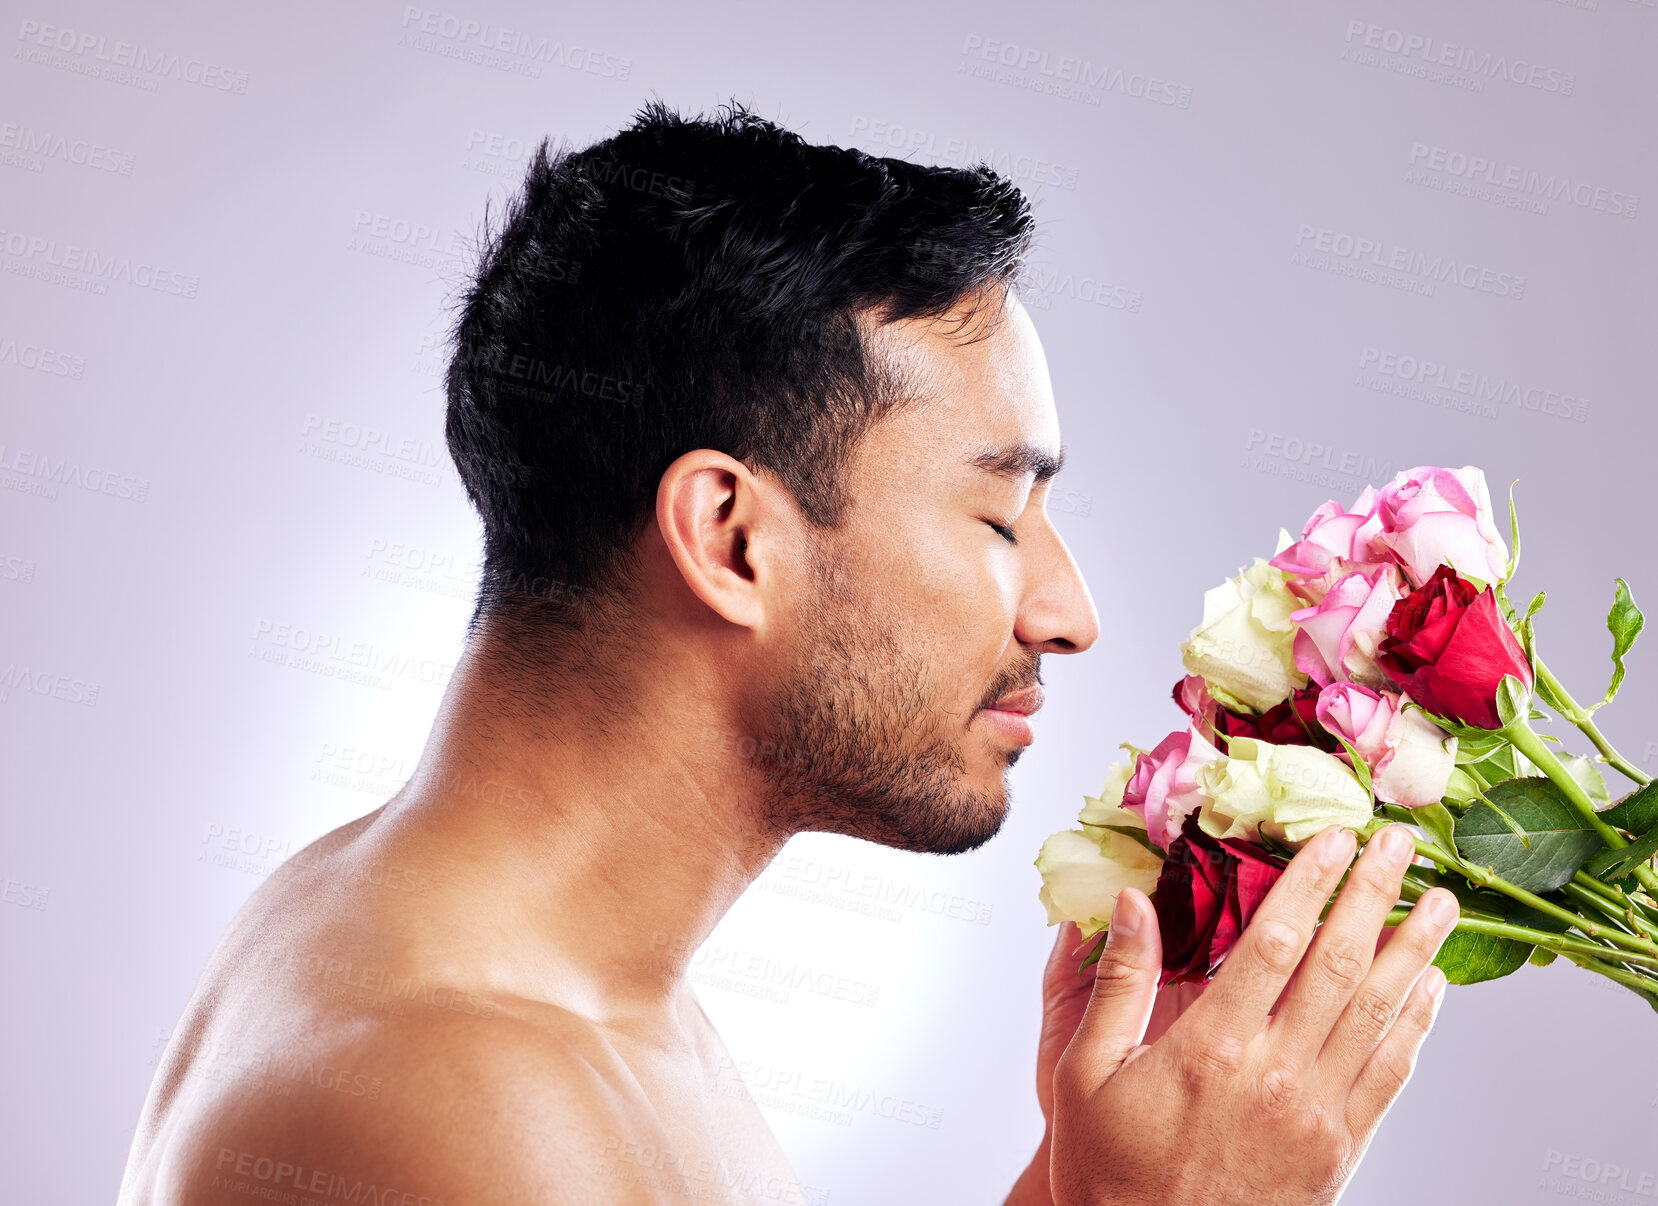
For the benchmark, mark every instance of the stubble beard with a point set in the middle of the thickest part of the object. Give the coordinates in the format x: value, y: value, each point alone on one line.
x: 865, y: 750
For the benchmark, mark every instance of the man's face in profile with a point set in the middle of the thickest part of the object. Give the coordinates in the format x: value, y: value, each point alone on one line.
x: 923, y: 617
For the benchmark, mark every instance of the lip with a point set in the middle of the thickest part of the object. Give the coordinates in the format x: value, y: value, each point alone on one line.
x: 1025, y: 702
x: 1011, y: 714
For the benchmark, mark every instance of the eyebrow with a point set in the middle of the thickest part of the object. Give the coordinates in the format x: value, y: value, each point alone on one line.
x: 1018, y: 460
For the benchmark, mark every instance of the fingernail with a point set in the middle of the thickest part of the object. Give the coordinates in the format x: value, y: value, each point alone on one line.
x: 1436, y: 984
x: 1397, y: 845
x: 1335, y: 848
x: 1125, y: 916
x: 1443, y: 908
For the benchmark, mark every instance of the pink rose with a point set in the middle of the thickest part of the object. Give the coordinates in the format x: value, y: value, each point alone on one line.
x: 1359, y: 715
x: 1330, y: 548
x: 1337, y: 638
x: 1163, y: 789
x: 1428, y: 517
x: 1410, y: 758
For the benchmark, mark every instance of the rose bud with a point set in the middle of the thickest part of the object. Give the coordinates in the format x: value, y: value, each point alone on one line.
x: 1429, y: 517
x: 1336, y: 640
x: 1449, y: 647
x: 1164, y: 786
x: 1410, y: 757
x: 1206, y: 894
x: 1289, y: 791
x: 1330, y: 548
x: 1245, y: 646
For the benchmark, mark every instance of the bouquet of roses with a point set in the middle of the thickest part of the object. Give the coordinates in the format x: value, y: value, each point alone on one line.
x: 1374, y: 671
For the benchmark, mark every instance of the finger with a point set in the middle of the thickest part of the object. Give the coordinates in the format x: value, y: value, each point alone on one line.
x: 1344, y: 948
x: 1064, y: 990
x: 1125, y: 985
x: 1172, y: 1001
x: 1390, y: 1065
x: 1243, y: 991
x: 1366, y: 1022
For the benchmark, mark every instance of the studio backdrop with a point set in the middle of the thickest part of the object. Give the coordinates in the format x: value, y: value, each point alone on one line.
x: 1286, y: 250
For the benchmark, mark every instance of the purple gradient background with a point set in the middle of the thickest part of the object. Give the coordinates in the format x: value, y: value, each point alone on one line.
x: 1190, y: 418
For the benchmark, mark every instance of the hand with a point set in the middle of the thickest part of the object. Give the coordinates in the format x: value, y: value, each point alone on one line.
x: 1239, y: 1102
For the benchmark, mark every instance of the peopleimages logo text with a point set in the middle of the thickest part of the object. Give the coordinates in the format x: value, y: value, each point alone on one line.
x: 1550, y: 186
x: 149, y: 63
x: 1071, y: 70
x: 483, y: 36
x: 1434, y: 53
x: 1379, y: 254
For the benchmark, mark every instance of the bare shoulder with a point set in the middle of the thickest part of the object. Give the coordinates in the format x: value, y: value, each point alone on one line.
x: 441, y: 1111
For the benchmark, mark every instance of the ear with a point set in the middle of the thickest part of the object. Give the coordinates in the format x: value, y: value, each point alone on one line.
x: 725, y: 532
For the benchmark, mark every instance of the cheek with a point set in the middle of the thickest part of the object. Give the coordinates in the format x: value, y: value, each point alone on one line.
x: 945, y: 583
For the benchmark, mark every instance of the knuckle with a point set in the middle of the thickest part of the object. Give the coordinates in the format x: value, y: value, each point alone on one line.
x: 1281, y: 1090
x: 1114, y: 975
x: 1210, y: 1063
x: 1421, y: 941
x: 1309, y: 891
x: 1340, y: 959
x: 1372, y: 888
x: 1372, y: 1010
x: 1421, y: 1017
x: 1393, y: 1067
x: 1278, y: 945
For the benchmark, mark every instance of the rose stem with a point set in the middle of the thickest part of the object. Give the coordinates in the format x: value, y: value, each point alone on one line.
x: 1624, y: 918
x: 1638, y: 982
x: 1488, y: 879
x: 1614, y: 902
x: 1558, y: 943
x: 1584, y: 720
x: 1520, y: 736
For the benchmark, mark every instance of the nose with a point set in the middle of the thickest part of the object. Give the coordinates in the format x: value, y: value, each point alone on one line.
x: 1057, y: 613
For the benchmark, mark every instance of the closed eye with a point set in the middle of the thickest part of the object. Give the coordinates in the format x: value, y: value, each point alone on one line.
x: 1005, y: 532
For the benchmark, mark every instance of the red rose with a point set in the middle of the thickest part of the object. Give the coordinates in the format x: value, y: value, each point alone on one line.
x: 1449, y: 647
x: 1293, y: 722
x: 1207, y: 892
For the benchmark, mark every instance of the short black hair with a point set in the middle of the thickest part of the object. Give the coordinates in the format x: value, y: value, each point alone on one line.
x: 692, y: 283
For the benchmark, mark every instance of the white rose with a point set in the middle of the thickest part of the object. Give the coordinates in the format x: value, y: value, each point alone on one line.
x: 1290, y: 791
x: 1245, y: 646
x: 1107, y: 807
x: 1081, y: 877
x: 1418, y: 759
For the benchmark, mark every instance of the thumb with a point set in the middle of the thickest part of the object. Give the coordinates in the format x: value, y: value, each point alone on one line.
x: 1125, y: 988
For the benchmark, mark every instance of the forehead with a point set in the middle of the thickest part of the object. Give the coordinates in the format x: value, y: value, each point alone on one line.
x: 969, y: 386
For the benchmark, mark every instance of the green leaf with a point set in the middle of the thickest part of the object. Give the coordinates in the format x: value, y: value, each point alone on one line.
x: 1474, y: 745
x: 1513, y: 699
x: 1470, y: 958
x: 1540, y: 957
x: 1536, y: 605
x: 1556, y: 839
x: 1094, y: 955
x: 1637, y: 812
x: 1513, y: 825
x: 1513, y: 534
x: 1624, y: 622
x: 1484, y: 739
x: 1501, y: 765
x: 1361, y: 771
x: 1609, y: 865
x: 1437, y: 821
x: 1464, y: 786
x: 1588, y: 776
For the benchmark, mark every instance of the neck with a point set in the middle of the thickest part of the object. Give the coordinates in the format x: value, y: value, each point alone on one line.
x: 591, y: 846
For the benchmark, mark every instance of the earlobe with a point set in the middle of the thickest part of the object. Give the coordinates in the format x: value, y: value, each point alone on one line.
x: 707, y: 505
